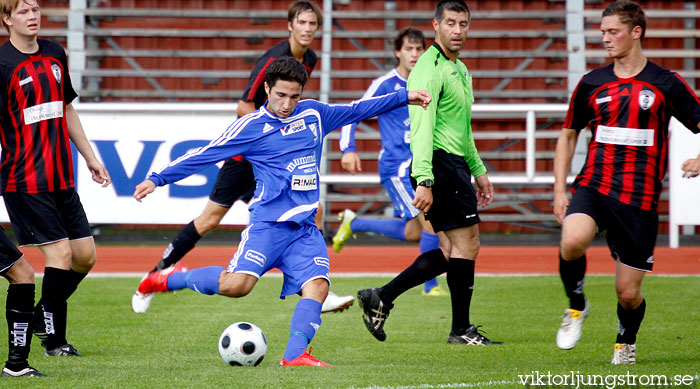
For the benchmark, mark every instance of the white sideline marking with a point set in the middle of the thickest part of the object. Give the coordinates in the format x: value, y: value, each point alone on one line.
x: 455, y: 385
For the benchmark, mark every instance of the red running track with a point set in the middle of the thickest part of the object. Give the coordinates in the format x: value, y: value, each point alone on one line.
x: 391, y: 259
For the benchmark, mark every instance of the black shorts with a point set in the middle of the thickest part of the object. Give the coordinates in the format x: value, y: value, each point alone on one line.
x: 8, y: 252
x: 235, y: 181
x: 454, y: 198
x: 631, y: 231
x: 47, y: 217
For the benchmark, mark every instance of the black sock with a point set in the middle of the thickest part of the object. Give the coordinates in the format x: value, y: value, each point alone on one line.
x: 426, y: 267
x: 573, y: 275
x: 630, y: 320
x: 74, y: 279
x: 185, y: 241
x: 19, y: 315
x: 460, y: 280
x: 51, y: 311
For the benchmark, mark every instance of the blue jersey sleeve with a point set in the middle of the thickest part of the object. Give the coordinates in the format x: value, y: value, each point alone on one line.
x: 337, y: 115
x: 234, y: 141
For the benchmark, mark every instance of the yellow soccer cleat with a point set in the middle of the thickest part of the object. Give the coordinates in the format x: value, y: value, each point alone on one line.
x: 344, y: 231
x: 436, y: 291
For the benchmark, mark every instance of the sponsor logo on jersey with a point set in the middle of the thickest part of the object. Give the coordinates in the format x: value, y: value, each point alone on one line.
x: 314, y: 130
x: 322, y: 262
x: 624, y: 136
x: 267, y: 128
x: 602, y: 100
x: 255, y: 257
x: 304, y: 182
x: 293, y: 128
x: 56, y: 72
x: 26, y: 81
x: 303, y: 163
x: 646, y: 99
x: 44, y: 111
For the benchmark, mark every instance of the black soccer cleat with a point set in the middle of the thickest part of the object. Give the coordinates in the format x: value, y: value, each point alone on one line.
x: 374, y: 312
x: 473, y: 337
x: 26, y: 372
x: 63, y: 351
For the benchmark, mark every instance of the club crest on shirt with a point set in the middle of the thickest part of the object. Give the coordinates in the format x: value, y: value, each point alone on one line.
x: 646, y: 99
x: 56, y: 72
x: 314, y: 130
x: 294, y: 127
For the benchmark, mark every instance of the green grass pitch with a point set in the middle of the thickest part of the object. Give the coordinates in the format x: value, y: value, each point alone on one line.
x: 174, y: 344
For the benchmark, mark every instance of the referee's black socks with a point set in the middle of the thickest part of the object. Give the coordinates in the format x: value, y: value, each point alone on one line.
x: 19, y: 315
x: 426, y: 267
x: 572, y: 275
x: 460, y: 280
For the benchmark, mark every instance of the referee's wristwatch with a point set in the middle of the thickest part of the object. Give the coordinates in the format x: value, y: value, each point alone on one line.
x: 426, y: 183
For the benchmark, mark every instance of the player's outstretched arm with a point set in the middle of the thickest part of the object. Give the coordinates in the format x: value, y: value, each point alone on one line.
x: 144, y: 189
x: 419, y: 97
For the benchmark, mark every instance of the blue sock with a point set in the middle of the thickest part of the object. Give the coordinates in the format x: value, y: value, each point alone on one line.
x: 204, y: 280
x: 429, y: 242
x: 393, y: 228
x: 305, y: 322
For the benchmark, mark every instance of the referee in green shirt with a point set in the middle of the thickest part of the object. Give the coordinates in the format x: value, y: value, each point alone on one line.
x: 444, y: 159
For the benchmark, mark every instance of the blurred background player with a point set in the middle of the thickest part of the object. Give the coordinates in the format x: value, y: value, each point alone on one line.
x: 444, y: 159
x: 627, y: 105
x: 281, y: 233
x: 38, y: 123
x: 235, y: 180
x: 19, y: 309
x: 394, y: 162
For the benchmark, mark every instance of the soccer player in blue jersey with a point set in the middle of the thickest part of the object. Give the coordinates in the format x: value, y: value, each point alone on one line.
x: 283, y: 141
x: 394, y: 162
x: 235, y: 180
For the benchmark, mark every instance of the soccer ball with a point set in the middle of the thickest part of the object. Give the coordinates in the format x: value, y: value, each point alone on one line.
x: 242, y: 344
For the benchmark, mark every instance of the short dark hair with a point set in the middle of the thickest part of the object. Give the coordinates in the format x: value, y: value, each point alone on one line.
x: 408, y: 34
x: 299, y: 6
x: 287, y: 69
x: 629, y: 12
x: 451, y: 5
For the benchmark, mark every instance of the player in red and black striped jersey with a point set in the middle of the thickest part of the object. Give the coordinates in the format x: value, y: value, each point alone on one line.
x: 36, y: 172
x: 627, y: 105
x: 235, y: 179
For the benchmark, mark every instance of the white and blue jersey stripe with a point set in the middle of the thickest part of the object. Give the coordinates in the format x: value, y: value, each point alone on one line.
x: 285, y: 153
x: 394, y: 127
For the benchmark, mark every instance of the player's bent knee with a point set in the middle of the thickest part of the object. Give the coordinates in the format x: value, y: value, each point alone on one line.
x: 236, y: 284
x: 629, y: 298
x: 21, y: 272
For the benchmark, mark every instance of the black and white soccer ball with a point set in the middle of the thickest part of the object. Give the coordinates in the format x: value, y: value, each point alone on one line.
x: 242, y: 344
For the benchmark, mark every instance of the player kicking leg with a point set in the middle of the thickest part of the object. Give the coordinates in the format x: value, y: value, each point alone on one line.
x: 266, y: 246
x: 235, y: 181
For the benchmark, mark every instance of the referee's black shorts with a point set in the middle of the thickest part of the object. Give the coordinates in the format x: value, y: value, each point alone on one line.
x: 454, y: 198
x: 631, y: 231
x: 235, y: 181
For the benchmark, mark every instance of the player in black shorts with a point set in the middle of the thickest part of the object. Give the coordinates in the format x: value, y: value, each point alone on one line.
x: 38, y: 123
x: 236, y: 180
x: 627, y: 105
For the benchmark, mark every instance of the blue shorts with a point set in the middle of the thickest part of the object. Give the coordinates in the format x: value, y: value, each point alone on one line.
x: 300, y: 252
x: 401, y: 193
